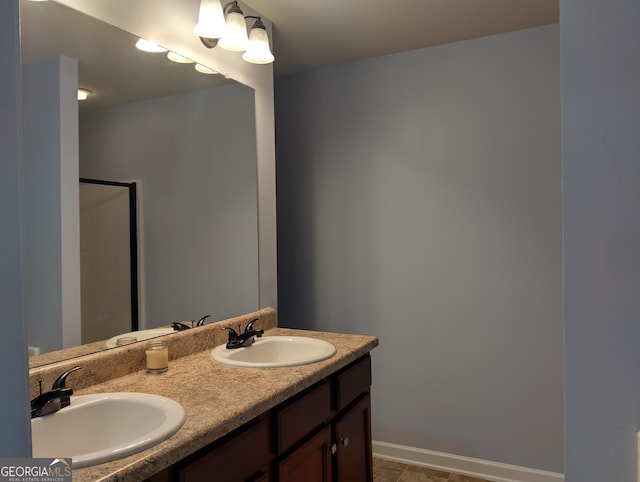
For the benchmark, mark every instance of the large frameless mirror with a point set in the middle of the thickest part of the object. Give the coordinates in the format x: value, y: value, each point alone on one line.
x: 185, y: 139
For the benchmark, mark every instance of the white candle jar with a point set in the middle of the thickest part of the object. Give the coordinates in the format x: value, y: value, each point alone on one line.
x: 157, y: 353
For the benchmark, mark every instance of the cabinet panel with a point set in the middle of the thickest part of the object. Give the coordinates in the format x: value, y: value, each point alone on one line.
x: 353, y: 381
x: 303, y: 416
x: 353, y: 439
x: 311, y: 462
x: 244, y: 457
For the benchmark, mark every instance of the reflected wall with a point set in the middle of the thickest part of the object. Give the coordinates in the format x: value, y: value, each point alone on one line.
x: 193, y: 158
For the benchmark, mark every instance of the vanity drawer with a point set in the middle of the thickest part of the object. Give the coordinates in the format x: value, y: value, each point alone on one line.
x: 352, y: 381
x: 304, y: 415
x: 244, y: 456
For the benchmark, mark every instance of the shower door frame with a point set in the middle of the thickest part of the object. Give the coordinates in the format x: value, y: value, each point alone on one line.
x: 133, y: 242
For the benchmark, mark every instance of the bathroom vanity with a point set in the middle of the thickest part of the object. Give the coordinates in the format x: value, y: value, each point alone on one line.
x: 306, y: 422
x: 321, y: 434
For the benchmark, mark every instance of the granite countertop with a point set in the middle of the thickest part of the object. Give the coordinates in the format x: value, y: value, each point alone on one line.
x: 217, y: 399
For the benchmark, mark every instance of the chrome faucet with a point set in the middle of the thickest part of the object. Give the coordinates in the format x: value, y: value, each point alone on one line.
x: 58, y: 397
x: 244, y: 339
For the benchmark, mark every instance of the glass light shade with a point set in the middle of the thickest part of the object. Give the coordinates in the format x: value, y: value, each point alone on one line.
x: 258, y: 51
x: 211, y: 22
x: 235, y: 39
x: 204, y: 70
x: 148, y: 46
x: 174, y: 57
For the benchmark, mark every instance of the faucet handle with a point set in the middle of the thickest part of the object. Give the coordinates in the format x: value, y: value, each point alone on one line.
x: 249, y: 326
x: 200, y: 322
x: 61, y: 380
x: 233, y: 334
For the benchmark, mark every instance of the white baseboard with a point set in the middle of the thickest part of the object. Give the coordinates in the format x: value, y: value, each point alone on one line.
x: 482, y: 469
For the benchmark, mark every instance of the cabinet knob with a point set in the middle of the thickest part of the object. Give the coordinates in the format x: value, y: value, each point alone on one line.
x: 345, y: 442
x: 332, y: 449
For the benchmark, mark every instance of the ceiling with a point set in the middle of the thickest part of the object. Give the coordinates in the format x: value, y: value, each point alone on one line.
x: 108, y: 64
x: 310, y: 34
x: 307, y: 34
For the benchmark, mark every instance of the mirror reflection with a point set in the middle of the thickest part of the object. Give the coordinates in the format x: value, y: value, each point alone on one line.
x: 185, y: 139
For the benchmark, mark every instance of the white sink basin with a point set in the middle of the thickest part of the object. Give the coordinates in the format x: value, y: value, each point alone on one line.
x: 102, y: 427
x: 275, y: 351
x: 139, y: 335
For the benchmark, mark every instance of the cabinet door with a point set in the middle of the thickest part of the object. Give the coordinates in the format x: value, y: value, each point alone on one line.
x: 311, y: 462
x: 353, y: 440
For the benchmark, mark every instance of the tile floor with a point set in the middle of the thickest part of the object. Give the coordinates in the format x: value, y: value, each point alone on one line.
x: 388, y: 471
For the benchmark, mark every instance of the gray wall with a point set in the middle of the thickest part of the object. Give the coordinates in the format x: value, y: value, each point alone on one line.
x: 196, y: 156
x: 15, y: 436
x: 419, y: 201
x: 600, y: 45
x: 50, y: 193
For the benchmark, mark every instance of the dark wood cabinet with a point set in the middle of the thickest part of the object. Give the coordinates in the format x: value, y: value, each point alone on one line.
x: 303, y: 415
x: 353, y: 443
x: 339, y: 452
x: 245, y: 455
x: 310, y: 462
x: 322, y: 434
x: 244, y: 458
x: 341, y: 449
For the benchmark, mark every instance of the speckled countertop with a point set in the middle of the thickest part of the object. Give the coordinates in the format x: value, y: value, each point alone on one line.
x: 217, y: 399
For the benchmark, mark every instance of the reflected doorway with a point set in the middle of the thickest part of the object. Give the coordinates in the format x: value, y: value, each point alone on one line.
x: 108, y: 258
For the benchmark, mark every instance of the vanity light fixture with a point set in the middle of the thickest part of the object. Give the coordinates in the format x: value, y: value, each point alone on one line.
x: 149, y: 46
x: 235, y: 38
x: 211, y: 23
x: 83, y: 94
x: 258, y: 51
x: 233, y: 34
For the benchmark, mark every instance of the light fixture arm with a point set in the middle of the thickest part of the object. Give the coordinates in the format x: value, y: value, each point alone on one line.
x: 231, y: 7
x: 258, y: 23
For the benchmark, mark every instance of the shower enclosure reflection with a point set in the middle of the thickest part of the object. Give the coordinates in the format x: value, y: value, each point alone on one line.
x: 108, y: 258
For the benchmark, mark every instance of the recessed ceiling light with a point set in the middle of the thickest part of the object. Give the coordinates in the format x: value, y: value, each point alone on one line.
x: 174, y: 57
x: 204, y: 70
x: 149, y: 46
x: 83, y: 94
